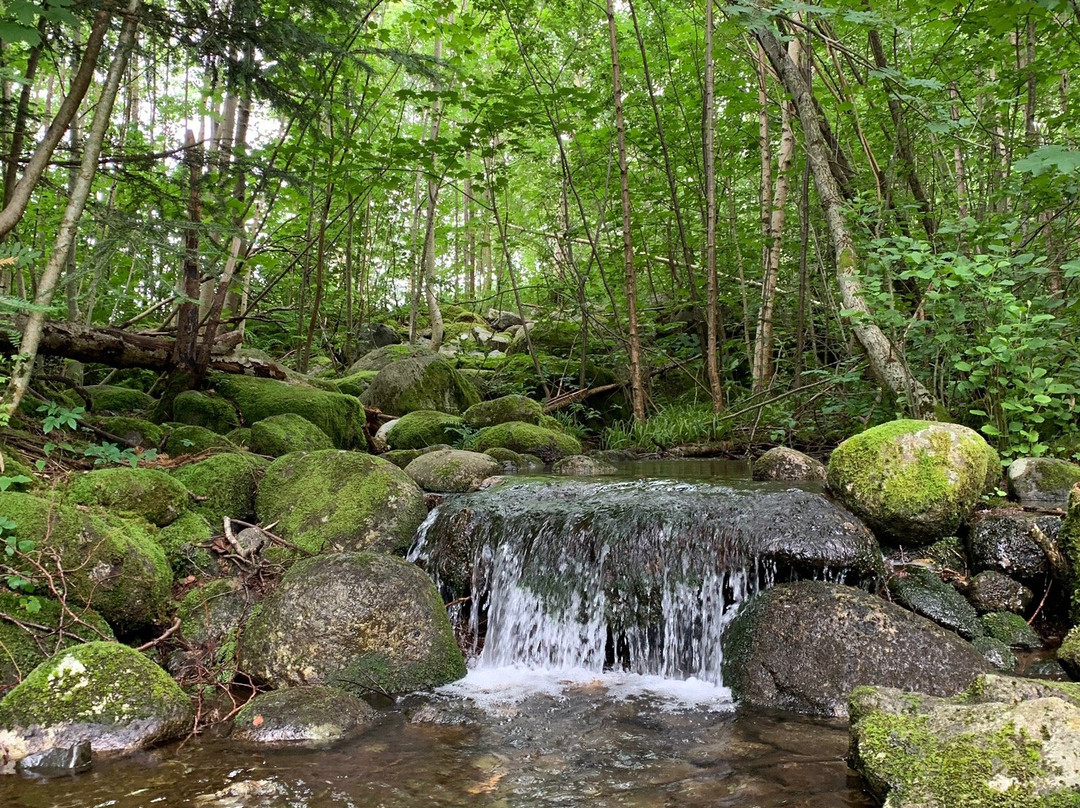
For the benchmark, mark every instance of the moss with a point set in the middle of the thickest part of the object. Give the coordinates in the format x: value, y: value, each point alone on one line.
x: 185, y: 440
x: 1069, y: 652
x: 523, y: 438
x: 149, y: 493
x: 453, y: 313
x: 388, y: 354
x: 281, y: 434
x: 214, y: 611
x: 1011, y: 629
x: 340, y: 500
x: 503, y: 410
x: 225, y: 485
x: 186, y: 545
x: 422, y: 428
x: 241, y: 437
x: 401, y: 457
x: 204, y: 409
x: 549, y: 336
x: 1069, y: 540
x: 99, y: 683
x: 111, y: 564
x: 15, y: 468
x: 423, y: 383
x: 355, y: 384
x: 110, y: 398
x: 134, y: 430
x: 26, y: 639
x: 338, y: 415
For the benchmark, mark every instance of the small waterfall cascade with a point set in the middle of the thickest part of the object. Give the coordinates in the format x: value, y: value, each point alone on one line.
x: 640, y: 576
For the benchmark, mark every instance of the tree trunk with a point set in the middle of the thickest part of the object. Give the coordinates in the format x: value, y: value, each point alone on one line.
x: 712, y: 365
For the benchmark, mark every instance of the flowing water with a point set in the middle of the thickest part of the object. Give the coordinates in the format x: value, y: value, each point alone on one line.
x: 596, y: 679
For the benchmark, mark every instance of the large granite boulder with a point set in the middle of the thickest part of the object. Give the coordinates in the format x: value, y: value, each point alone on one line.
x: 805, y: 646
x: 1005, y: 741
x: 311, y: 715
x: 421, y: 383
x: 101, y: 692
x: 334, y: 501
x: 451, y: 470
x: 359, y: 621
x: 913, y: 481
x: 1043, y: 482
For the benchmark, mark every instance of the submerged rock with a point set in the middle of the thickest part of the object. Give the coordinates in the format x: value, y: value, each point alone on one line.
x: 1003, y: 742
x: 805, y: 646
x: 782, y: 463
x: 331, y: 501
x: 451, y: 470
x: 359, y: 621
x: 315, y: 714
x: 101, y: 692
x: 582, y: 466
x: 912, y: 481
x: 1042, y: 481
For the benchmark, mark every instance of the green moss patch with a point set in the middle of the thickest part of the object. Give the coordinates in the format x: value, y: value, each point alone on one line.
x: 524, y: 438
x: 423, y: 428
x: 281, y: 434
x: 503, y: 410
x: 224, y: 484
x: 108, y: 398
x: 186, y: 440
x: 203, y: 409
x: 424, y: 383
x: 149, y: 493
x: 137, y: 431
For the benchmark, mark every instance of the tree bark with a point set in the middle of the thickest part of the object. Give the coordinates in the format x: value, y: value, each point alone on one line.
x: 712, y: 307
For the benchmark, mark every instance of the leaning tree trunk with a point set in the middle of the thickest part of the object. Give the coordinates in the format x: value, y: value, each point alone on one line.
x: 886, y: 359
x: 31, y: 336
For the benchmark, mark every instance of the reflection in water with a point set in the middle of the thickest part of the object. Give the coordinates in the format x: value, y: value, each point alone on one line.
x: 501, y: 741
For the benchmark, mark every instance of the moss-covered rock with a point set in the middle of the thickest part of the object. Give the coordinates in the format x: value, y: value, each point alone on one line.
x: 214, y: 612
x: 1069, y: 652
x: 316, y: 714
x: 582, y: 466
x: 508, y: 459
x: 524, y: 438
x: 187, y: 440
x: 503, y: 410
x: 923, y: 591
x: 333, y: 501
x: 137, y: 431
x: 359, y: 621
x: 152, y: 494
x: 28, y: 639
x: 17, y: 475
x: 338, y: 415
x: 1042, y: 481
x: 356, y: 383
x: 101, y: 692
x: 1068, y: 540
x: 549, y: 335
x: 240, y: 437
x: 403, y: 457
x: 379, y: 358
x: 281, y: 434
x: 110, y: 564
x: 422, y: 428
x: 451, y: 470
x: 1011, y: 629
x: 1005, y: 742
x: 108, y: 398
x: 224, y: 484
x: 422, y: 383
x: 186, y: 543
x: 205, y: 409
x: 911, y: 481
x: 995, y: 652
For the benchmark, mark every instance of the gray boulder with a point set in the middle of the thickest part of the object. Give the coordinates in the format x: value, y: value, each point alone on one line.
x: 101, y: 692
x: 1006, y: 741
x: 387, y: 355
x: 452, y: 470
x: 923, y: 591
x: 990, y: 591
x: 359, y: 621
x: 310, y: 715
x: 805, y: 646
x: 1042, y: 481
x: 782, y: 463
x: 1005, y: 541
x: 582, y: 466
x: 502, y: 320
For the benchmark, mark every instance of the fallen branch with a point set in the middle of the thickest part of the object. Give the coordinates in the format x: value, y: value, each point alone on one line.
x: 168, y: 633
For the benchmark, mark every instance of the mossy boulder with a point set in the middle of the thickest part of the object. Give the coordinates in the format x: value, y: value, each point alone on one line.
x: 101, y: 692
x: 212, y: 613
x: 1069, y: 541
x: 111, y: 564
x: 281, y: 434
x: 315, y: 714
x: 152, y: 494
x: 558, y: 337
x: 1069, y: 652
x: 333, y: 501
x: 20, y: 477
x: 422, y: 383
x: 451, y: 470
x: 224, y: 485
x: 912, y: 481
x: 338, y: 415
x: 922, y: 590
x: 524, y: 438
x: 508, y: 459
x: 240, y: 437
x: 1004, y: 742
x: 27, y: 639
x: 204, y: 409
x: 1042, y: 482
x: 386, y: 355
x: 109, y: 398
x: 1011, y: 629
x: 356, y: 383
x: 503, y: 410
x: 137, y: 431
x: 990, y: 591
x: 582, y: 466
x: 186, y: 543
x: 784, y: 464
x: 188, y: 440
x: 402, y: 457
x: 359, y: 621
x: 423, y: 428
x: 805, y: 646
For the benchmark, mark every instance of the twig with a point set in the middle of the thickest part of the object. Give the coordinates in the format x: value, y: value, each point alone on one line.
x: 168, y: 633
x: 1042, y: 602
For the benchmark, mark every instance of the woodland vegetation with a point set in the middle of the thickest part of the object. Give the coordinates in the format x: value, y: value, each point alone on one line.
x: 774, y: 221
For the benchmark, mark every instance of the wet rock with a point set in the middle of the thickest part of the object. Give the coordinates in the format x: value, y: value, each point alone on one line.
x: 995, y: 652
x: 990, y: 591
x: 912, y: 481
x: 1004, y: 742
x: 1011, y: 629
x: 804, y: 647
x: 59, y: 761
x: 582, y: 466
x: 451, y: 470
x: 948, y: 553
x: 782, y: 463
x: 331, y: 501
x: 923, y: 591
x: 312, y: 715
x: 423, y: 383
x: 1045, y: 669
x: 1069, y: 653
x: 1042, y: 481
x: 101, y: 692
x: 288, y: 432
x: 1003, y: 541
x: 359, y: 621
